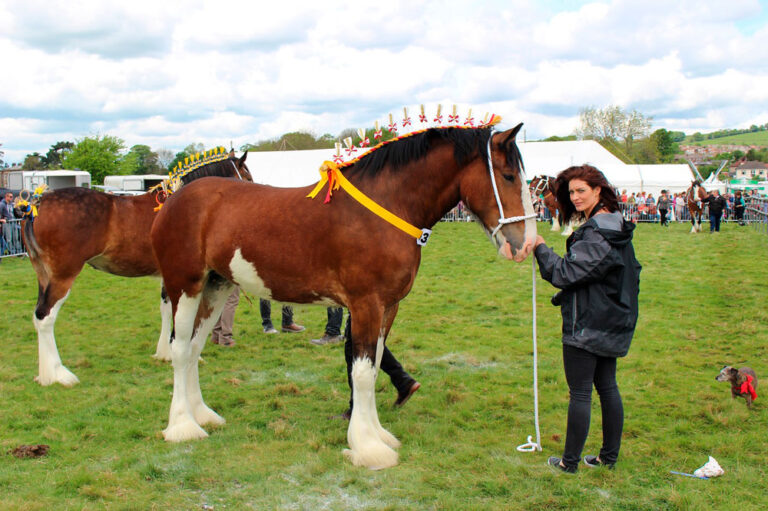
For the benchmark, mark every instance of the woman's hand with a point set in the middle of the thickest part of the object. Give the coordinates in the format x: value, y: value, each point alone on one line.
x: 539, y: 241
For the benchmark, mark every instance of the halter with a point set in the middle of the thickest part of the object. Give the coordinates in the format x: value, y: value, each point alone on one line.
x: 503, y: 220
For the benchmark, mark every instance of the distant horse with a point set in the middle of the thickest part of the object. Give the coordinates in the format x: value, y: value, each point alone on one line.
x: 76, y: 226
x: 279, y: 244
x: 543, y: 191
x: 693, y: 196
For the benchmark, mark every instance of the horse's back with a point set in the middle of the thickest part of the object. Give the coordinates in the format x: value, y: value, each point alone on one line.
x: 75, y: 225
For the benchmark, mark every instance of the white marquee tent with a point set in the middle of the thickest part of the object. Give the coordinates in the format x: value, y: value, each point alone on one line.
x: 301, y: 168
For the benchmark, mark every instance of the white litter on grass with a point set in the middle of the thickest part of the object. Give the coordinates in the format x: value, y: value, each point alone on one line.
x: 710, y: 469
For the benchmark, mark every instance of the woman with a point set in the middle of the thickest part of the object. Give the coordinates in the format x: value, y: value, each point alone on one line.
x: 738, y: 207
x: 663, y: 206
x: 599, y: 282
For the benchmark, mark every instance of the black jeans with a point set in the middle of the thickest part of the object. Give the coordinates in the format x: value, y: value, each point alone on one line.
x: 389, y: 364
x: 333, y: 326
x: 265, y: 307
x: 582, y: 369
x: 663, y: 215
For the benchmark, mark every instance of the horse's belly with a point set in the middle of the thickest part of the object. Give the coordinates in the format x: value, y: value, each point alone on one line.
x: 122, y: 268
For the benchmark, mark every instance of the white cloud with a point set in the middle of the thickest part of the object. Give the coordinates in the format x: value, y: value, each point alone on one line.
x: 167, y: 75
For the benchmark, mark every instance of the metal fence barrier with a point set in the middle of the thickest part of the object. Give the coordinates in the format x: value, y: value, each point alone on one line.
x: 755, y: 213
x: 10, y: 239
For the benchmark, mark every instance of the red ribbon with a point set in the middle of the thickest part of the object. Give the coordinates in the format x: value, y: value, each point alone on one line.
x: 377, y: 134
x: 406, y: 122
x: 337, y: 158
x: 748, y: 388
x: 453, y: 118
x: 365, y: 142
x: 470, y: 121
x: 351, y: 150
x: 392, y: 127
x: 331, y: 182
x: 422, y: 118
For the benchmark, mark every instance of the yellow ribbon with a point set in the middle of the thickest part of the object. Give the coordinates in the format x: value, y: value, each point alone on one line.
x: 330, y: 173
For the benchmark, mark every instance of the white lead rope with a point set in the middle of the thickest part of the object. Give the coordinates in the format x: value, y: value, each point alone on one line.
x: 532, y: 446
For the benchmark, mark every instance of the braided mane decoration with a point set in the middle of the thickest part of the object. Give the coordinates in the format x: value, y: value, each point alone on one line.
x: 195, y: 166
x: 411, y: 128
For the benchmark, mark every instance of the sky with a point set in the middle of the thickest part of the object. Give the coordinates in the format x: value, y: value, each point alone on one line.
x: 167, y: 74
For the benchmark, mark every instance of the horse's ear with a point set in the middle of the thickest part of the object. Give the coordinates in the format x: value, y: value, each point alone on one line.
x: 510, y: 135
x: 241, y: 161
x: 231, y: 153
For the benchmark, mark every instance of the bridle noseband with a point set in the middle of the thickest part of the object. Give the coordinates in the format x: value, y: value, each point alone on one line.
x: 502, y: 219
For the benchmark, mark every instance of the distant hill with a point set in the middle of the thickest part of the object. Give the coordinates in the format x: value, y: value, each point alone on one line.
x: 759, y: 138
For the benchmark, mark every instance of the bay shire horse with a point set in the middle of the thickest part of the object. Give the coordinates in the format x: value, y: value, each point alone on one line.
x: 543, y: 191
x: 693, y: 196
x: 78, y: 226
x: 280, y: 243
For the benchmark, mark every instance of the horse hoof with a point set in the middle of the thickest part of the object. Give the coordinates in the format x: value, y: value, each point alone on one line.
x: 389, y: 439
x: 62, y: 376
x: 187, y: 430
x: 376, y: 458
x: 162, y: 357
x: 205, y: 416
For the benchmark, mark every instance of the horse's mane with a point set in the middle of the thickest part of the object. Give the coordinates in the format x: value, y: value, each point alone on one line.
x: 396, y: 154
x: 221, y: 168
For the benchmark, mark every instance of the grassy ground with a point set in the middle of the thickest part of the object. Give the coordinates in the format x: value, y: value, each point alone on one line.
x: 759, y: 138
x: 464, y: 332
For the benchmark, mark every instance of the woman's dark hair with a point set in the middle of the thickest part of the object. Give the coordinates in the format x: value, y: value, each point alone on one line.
x: 593, y: 178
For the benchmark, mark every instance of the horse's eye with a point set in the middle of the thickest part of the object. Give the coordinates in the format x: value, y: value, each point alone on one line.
x: 509, y: 177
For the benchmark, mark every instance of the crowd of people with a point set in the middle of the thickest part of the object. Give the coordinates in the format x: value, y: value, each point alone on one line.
x: 644, y: 207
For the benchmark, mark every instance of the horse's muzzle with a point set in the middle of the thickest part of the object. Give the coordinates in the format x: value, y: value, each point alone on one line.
x: 518, y: 255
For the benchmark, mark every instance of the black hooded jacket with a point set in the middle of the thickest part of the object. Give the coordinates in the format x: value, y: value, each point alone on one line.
x: 600, y: 281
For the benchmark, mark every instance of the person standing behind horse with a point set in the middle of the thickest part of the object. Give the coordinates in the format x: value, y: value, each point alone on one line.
x: 663, y: 206
x: 716, y: 206
x: 738, y: 207
x: 6, y: 215
x: 599, y: 279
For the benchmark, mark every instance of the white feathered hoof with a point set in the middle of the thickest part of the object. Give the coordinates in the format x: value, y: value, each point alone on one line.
x: 388, y: 438
x: 60, y: 375
x: 184, y: 431
x: 375, y: 457
x: 163, y: 357
x: 204, y: 416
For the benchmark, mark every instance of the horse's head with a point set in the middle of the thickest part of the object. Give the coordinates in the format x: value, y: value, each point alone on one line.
x: 240, y: 166
x: 497, y: 194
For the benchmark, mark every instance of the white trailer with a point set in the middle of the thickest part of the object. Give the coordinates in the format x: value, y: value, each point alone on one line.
x: 134, y: 183
x: 55, y: 179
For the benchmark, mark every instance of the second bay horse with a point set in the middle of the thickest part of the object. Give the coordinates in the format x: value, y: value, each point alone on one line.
x: 693, y: 196
x: 543, y: 191
x: 277, y: 243
x: 79, y: 226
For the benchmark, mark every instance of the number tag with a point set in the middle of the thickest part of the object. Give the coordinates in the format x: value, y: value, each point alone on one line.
x: 421, y: 241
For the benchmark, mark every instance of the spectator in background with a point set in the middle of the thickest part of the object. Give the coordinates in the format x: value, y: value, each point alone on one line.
x: 222, y: 331
x: 663, y: 206
x: 332, y: 327
x: 624, y: 196
x: 716, y: 206
x: 7, y: 243
x: 738, y: 207
x: 288, y: 326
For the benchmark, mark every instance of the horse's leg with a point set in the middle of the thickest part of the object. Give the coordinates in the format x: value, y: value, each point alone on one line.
x: 555, y: 222
x: 181, y: 422
x: 366, y: 446
x: 163, y: 351
x: 215, y: 294
x: 389, y: 316
x: 51, y: 296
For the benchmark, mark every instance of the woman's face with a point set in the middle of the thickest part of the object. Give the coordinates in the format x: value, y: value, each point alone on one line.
x: 582, y: 196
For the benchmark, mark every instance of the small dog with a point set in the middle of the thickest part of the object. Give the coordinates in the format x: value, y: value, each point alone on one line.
x: 743, y: 382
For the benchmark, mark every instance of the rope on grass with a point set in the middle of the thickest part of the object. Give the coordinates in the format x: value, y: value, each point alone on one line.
x: 530, y: 445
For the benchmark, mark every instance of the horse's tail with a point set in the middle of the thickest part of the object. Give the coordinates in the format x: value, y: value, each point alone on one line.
x: 29, y: 239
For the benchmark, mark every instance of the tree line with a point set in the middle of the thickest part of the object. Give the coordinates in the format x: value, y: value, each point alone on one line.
x: 625, y: 133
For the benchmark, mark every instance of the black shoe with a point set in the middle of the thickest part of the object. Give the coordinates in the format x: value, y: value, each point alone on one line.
x: 554, y: 462
x: 405, y: 396
x: 592, y: 461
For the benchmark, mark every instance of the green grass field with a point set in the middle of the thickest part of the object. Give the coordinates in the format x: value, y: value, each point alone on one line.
x: 758, y: 138
x: 464, y: 332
